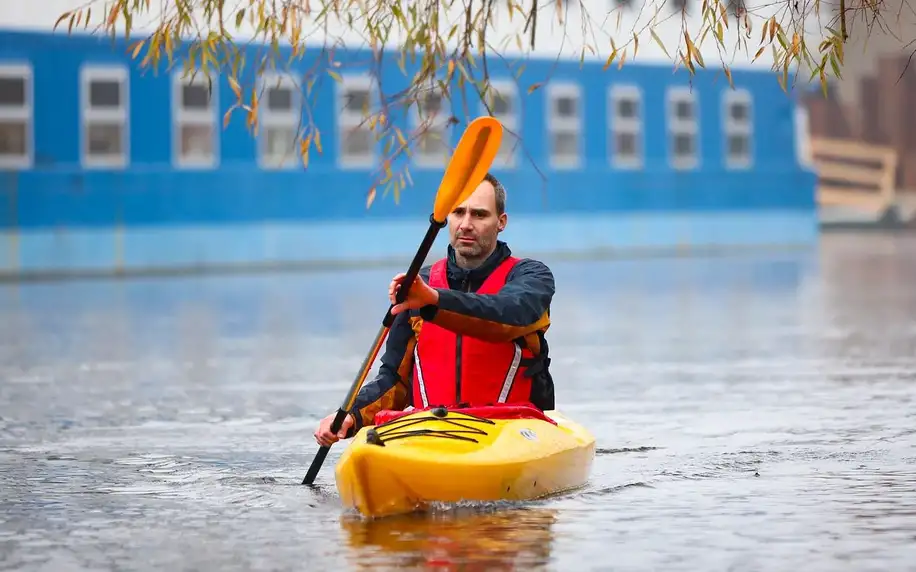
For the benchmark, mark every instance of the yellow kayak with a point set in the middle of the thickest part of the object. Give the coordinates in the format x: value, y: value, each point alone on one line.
x: 493, y: 453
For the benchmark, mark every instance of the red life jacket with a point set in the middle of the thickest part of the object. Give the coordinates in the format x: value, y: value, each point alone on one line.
x: 450, y: 369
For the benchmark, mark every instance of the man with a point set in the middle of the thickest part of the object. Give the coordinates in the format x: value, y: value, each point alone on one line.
x: 471, y: 329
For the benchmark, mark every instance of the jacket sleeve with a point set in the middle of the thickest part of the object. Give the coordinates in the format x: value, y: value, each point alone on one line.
x: 518, y: 309
x: 391, y: 387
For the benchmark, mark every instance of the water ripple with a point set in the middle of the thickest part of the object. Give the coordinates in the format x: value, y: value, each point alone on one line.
x: 751, y: 414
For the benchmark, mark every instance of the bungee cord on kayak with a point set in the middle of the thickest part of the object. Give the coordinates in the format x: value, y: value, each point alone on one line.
x: 397, y: 428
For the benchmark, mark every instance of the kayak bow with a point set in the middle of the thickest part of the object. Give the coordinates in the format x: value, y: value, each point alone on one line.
x: 408, y: 461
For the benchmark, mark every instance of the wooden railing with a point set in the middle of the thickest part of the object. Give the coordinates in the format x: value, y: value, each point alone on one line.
x: 855, y: 174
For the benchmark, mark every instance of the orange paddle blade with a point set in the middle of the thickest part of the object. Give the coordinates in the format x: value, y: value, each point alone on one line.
x: 468, y: 165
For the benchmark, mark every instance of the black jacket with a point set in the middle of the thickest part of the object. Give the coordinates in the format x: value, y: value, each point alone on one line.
x: 521, y: 307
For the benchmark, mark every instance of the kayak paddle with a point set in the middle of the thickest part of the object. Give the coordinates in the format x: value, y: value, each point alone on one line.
x: 466, y: 170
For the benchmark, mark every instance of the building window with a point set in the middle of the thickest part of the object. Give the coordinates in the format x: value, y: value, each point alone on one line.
x: 502, y: 98
x: 683, y: 128
x: 738, y: 125
x: 564, y: 125
x: 357, y: 142
x: 803, y: 152
x: 15, y: 116
x: 105, y: 105
x: 429, y: 119
x: 279, y: 117
x: 625, y: 140
x: 195, y: 119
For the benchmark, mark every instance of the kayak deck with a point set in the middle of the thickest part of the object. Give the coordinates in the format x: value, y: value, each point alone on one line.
x: 440, y: 455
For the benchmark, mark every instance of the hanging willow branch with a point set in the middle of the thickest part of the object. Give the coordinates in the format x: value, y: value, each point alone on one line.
x: 448, y: 43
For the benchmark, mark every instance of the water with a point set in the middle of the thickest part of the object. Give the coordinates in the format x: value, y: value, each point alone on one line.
x: 752, y: 413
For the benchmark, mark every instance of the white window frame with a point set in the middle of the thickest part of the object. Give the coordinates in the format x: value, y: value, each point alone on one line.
x: 191, y: 117
x: 271, y: 119
x: 556, y: 124
x: 435, y: 126
x: 617, y: 124
x: 104, y: 72
x: 347, y: 120
x: 729, y: 127
x: 678, y: 126
x: 507, y: 156
x: 24, y: 114
x: 802, y: 125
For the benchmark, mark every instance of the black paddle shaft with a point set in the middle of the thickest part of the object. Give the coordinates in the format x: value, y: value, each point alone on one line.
x: 414, y: 269
x: 415, y: 265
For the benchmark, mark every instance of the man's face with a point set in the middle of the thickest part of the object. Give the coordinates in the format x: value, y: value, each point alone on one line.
x: 474, y: 225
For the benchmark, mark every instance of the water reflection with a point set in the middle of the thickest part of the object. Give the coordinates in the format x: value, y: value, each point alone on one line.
x: 454, y: 539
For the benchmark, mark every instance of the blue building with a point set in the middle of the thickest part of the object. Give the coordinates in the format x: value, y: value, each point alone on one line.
x: 108, y: 167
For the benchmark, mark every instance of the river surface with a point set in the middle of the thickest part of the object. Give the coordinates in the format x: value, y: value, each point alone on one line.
x: 752, y: 413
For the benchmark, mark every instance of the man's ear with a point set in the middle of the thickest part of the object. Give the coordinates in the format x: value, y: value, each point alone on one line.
x: 503, y: 221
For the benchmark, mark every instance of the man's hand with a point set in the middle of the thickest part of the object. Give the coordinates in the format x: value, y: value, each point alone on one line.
x: 323, y: 434
x: 420, y: 294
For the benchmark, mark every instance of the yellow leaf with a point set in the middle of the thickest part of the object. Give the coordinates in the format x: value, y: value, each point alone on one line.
x: 835, y: 66
x: 226, y: 117
x: 370, y: 198
x: 610, y: 60
x: 137, y: 47
x: 335, y: 75
x: 304, y: 151
x: 659, y: 42
x: 318, y: 141
x: 759, y: 53
x: 533, y: 87
x: 168, y: 44
x: 236, y: 88
x: 60, y: 19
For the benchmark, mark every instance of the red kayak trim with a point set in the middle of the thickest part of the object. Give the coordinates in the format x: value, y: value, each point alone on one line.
x: 495, y: 411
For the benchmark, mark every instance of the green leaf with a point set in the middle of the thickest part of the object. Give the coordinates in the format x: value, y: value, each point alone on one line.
x: 659, y: 42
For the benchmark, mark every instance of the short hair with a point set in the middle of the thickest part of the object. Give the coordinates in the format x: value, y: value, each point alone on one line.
x: 500, y: 192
